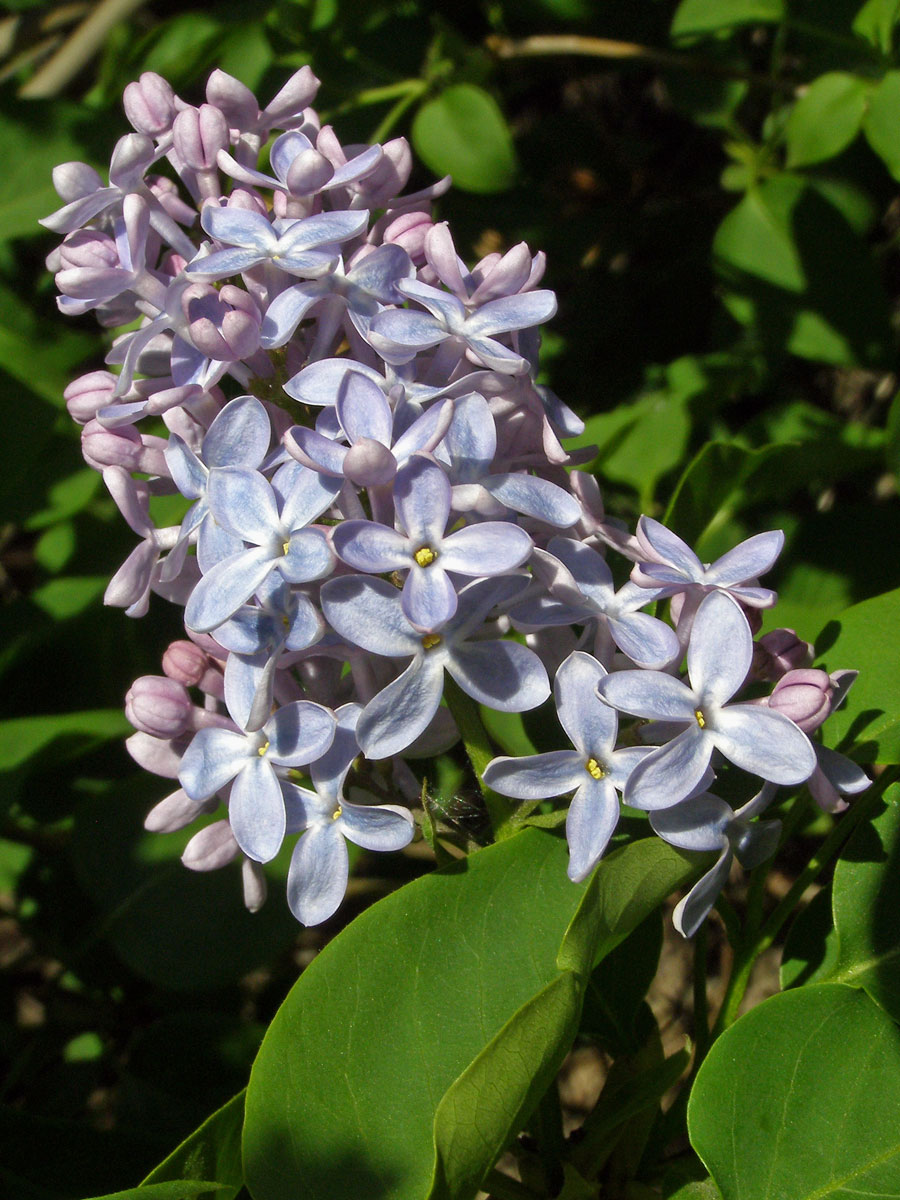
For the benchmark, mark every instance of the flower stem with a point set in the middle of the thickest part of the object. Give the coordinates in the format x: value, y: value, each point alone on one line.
x: 746, y: 957
x: 480, y: 752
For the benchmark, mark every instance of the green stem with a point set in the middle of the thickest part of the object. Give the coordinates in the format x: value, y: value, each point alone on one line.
x: 387, y: 123
x: 827, y: 852
x: 480, y: 751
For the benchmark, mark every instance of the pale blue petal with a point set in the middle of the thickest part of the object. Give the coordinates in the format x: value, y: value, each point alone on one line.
x: 700, y: 823
x: 590, y: 821
x: 371, y: 547
x: 422, y: 496
x: 692, y: 911
x: 428, y: 598
x: 647, y: 641
x: 394, y: 718
x: 764, y: 742
x: 238, y: 227
x: 537, y: 776
x: 329, y: 771
x: 243, y: 501
x: 363, y: 410
x: 317, y: 877
x: 669, y: 548
x: 670, y: 773
x: 307, y: 494
x: 503, y: 675
x: 750, y: 559
x: 230, y: 583
x: 256, y: 810
x: 377, y: 827
x: 511, y: 313
x: 309, y: 557
x: 286, y: 312
x: 720, y: 649
x: 590, y: 724
x: 486, y: 548
x: 535, y: 497
x: 239, y: 436
x: 213, y: 758
x: 649, y: 694
x: 367, y: 613
x: 298, y: 733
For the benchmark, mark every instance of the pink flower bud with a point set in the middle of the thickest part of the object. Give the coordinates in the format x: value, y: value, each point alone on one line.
x: 149, y: 104
x: 88, y: 248
x: 778, y: 652
x: 255, y: 886
x: 805, y: 696
x: 369, y: 464
x: 409, y: 232
x: 234, y: 99
x: 175, y: 812
x: 199, y: 134
x: 124, y: 447
x: 159, y: 706
x: 86, y: 395
x: 191, y: 666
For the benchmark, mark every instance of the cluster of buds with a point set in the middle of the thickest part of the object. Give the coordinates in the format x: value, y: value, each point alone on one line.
x: 378, y: 496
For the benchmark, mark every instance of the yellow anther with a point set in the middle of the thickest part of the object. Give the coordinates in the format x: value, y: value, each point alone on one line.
x: 430, y: 640
x: 285, y: 546
x: 593, y: 768
x: 337, y: 812
x: 425, y: 556
x: 263, y: 748
x: 701, y: 720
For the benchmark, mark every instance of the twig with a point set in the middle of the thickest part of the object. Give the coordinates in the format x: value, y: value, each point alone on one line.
x: 594, y: 47
x: 78, y: 49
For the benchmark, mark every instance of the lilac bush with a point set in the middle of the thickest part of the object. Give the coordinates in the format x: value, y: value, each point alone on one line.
x: 378, y: 498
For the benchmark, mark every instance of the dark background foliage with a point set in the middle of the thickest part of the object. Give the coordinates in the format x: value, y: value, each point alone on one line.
x: 715, y: 186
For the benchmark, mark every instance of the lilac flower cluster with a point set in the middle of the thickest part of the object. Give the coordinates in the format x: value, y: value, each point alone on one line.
x: 378, y: 496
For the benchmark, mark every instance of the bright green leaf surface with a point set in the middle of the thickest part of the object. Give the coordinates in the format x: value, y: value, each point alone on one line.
x: 866, y: 899
x: 177, y: 1189
x: 871, y: 713
x: 463, y: 133
x: 345, y: 1089
x: 800, y: 1100
x: 826, y: 118
x: 875, y: 21
x: 23, y: 737
x: 882, y: 119
x: 694, y: 17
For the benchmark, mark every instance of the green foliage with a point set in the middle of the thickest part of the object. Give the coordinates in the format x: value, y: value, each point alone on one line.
x: 796, y: 1077
x: 704, y: 17
x: 871, y: 713
x: 826, y: 118
x: 462, y: 132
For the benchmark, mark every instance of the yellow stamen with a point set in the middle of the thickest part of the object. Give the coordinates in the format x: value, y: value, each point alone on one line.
x: 701, y: 720
x: 425, y: 556
x: 593, y: 768
x: 430, y: 640
x: 337, y: 812
x: 263, y: 748
x: 285, y: 546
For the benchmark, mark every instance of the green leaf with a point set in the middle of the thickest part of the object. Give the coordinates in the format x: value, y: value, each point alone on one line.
x: 882, y: 119
x: 499, y: 1090
x: 800, y: 1099
x: 463, y: 133
x: 866, y: 899
x: 612, y: 1003
x: 870, y: 716
x: 811, y: 946
x: 211, y: 1152
x: 698, y: 17
x: 875, y: 22
x: 23, y: 737
x: 348, y: 1082
x: 699, y: 1189
x: 826, y: 118
x: 177, y: 1189
x: 799, y: 274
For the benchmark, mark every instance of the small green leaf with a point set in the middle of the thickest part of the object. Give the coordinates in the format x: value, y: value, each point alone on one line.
x: 871, y: 713
x: 875, y: 22
x: 213, y: 1152
x: 695, y: 18
x: 866, y: 899
x: 800, y: 1099
x: 882, y: 121
x: 826, y: 118
x: 176, y: 1189
x: 463, y: 133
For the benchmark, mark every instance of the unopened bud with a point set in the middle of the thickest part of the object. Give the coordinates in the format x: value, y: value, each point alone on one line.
x: 778, y: 652
x: 805, y: 696
x: 191, y: 666
x: 199, y: 134
x: 86, y: 395
x: 149, y: 104
x: 158, y: 706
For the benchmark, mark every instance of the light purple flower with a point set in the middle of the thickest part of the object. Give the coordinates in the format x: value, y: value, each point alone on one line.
x: 317, y: 878
x: 753, y: 737
x: 594, y: 769
x: 422, y: 498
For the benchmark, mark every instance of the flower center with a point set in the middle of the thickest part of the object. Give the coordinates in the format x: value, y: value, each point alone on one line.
x: 425, y: 556
x: 262, y: 750
x: 594, y: 769
x: 701, y: 719
x: 337, y: 812
x: 430, y: 640
x: 285, y: 546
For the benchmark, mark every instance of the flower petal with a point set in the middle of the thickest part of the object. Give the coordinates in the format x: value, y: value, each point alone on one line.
x: 317, y: 877
x: 592, y: 817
